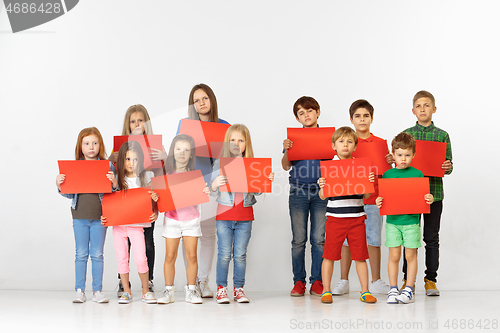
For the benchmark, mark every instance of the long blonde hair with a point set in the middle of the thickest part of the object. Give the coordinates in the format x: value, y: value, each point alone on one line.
x: 246, y: 133
x: 147, y: 121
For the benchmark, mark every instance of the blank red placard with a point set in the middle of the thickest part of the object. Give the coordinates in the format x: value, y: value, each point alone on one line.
x: 310, y: 143
x: 346, y: 177
x: 85, y: 176
x: 403, y: 195
x: 376, y: 152
x: 147, y: 142
x: 127, y: 207
x: 204, y: 133
x: 247, y: 175
x: 429, y: 158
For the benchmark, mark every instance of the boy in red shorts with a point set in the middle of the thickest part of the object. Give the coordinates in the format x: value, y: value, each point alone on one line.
x: 345, y: 219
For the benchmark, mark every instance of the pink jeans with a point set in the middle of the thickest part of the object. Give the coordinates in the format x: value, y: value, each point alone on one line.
x: 136, y: 236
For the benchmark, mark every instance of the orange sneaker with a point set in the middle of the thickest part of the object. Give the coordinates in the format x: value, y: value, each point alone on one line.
x: 367, y: 297
x: 299, y: 289
x: 326, y: 297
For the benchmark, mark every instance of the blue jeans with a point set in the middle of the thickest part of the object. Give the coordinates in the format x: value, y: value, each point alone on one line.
x: 232, y: 240
x: 303, y: 202
x: 89, y: 239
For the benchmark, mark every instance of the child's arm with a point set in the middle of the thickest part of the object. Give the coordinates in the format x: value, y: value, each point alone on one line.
x: 371, y: 178
x: 378, y: 201
x: 158, y: 155
x: 216, y: 180
x: 112, y: 179
x: 206, y: 190
x: 285, y: 163
x: 321, y: 183
x: 429, y: 199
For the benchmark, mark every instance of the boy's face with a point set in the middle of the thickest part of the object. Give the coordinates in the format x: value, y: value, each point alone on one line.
x: 403, y: 157
x: 344, y: 146
x: 362, y: 119
x: 309, y: 117
x: 423, y: 109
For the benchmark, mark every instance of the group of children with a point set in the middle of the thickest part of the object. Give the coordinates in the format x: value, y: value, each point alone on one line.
x: 348, y: 227
x: 341, y: 228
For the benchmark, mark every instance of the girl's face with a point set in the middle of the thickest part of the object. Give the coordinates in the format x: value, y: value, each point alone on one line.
x: 237, y: 143
x: 90, y: 147
x: 131, y: 163
x: 137, y: 123
x: 182, y: 153
x: 201, y: 103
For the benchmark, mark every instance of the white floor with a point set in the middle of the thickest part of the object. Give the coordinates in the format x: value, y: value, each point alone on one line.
x: 53, y: 311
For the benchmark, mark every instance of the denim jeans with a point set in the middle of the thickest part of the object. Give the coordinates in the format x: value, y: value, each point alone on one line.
x: 89, y: 239
x: 304, y: 203
x: 232, y: 240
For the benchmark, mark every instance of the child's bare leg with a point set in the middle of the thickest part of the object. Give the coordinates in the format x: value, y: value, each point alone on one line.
x: 393, y: 265
x: 362, y: 270
x: 125, y: 282
x: 144, y: 281
x: 374, y: 254
x: 326, y: 274
x: 412, y: 266
x: 190, y: 246
x: 171, y: 247
x: 345, y: 263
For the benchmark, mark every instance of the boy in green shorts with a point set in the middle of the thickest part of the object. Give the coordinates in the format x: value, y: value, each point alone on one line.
x: 403, y: 229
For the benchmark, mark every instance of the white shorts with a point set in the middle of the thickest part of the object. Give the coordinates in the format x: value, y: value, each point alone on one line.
x: 177, y: 229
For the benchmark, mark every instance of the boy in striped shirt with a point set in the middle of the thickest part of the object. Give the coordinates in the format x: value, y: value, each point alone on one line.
x: 345, y: 219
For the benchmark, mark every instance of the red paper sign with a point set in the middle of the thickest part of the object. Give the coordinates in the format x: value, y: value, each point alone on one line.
x: 403, y: 195
x: 247, y: 175
x: 376, y: 152
x: 127, y: 207
x: 310, y: 143
x: 85, y: 176
x: 204, y: 133
x: 429, y: 158
x: 147, y: 142
x: 346, y: 177
x: 179, y: 190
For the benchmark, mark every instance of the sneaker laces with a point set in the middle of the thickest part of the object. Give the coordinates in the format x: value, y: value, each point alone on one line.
x: 221, y: 293
x: 239, y: 293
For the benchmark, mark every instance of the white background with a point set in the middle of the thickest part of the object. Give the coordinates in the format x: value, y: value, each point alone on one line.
x: 88, y: 66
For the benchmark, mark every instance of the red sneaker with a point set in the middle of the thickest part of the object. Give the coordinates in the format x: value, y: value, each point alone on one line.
x: 317, y: 288
x: 299, y: 289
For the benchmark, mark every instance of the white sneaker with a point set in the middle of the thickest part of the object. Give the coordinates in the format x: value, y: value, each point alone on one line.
x: 204, y: 289
x: 406, y: 296
x: 99, y: 297
x: 341, y: 288
x: 125, y: 299
x: 193, y: 296
x: 167, y: 296
x: 149, y: 298
x: 379, y: 287
x: 239, y: 296
x: 391, y: 298
x: 79, y: 297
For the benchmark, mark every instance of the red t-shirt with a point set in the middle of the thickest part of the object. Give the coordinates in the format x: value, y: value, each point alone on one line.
x: 236, y: 212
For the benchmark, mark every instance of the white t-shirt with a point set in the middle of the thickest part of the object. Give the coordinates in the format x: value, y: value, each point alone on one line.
x: 135, y: 182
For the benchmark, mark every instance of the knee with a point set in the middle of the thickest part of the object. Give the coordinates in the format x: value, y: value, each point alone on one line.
x: 240, y: 258
x: 81, y: 255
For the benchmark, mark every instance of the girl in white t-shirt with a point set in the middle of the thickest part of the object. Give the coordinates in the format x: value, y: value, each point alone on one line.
x: 184, y: 222
x: 131, y: 175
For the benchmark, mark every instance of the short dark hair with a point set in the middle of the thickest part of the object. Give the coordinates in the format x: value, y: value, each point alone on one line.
x: 307, y: 103
x: 360, y: 103
x: 404, y: 141
x: 423, y: 93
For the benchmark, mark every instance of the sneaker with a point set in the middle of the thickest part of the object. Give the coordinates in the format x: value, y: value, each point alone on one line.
x: 341, y: 288
x: 151, y: 287
x: 406, y: 296
x: 367, y: 297
x: 193, y: 296
x: 120, y: 291
x: 379, y: 287
x: 316, y: 288
x: 99, y: 297
x: 79, y: 297
x: 222, y: 295
x: 125, y: 299
x: 149, y: 298
x: 299, y: 289
x: 391, y: 298
x: 239, y: 296
x: 167, y: 296
x: 430, y: 288
x: 204, y: 289
x: 404, y: 286
x: 326, y: 297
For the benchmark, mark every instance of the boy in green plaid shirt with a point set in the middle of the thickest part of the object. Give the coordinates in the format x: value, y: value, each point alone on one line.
x: 423, y: 108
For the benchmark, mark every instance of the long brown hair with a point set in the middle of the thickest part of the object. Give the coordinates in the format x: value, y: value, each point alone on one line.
x: 120, y: 163
x: 147, y: 121
x: 214, y: 113
x: 246, y: 133
x: 170, y: 166
x: 86, y: 132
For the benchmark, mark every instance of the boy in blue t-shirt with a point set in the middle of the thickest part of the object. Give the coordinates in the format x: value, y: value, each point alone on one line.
x: 304, y: 201
x: 403, y: 229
